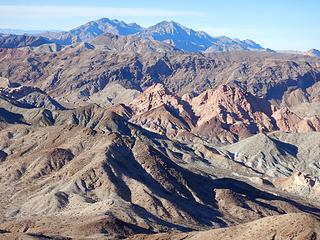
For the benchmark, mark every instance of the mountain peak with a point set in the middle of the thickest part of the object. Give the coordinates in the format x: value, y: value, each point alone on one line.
x: 170, y: 27
x: 104, y: 20
x: 169, y: 23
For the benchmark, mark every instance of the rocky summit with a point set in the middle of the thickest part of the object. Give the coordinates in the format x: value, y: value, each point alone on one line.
x: 116, y: 131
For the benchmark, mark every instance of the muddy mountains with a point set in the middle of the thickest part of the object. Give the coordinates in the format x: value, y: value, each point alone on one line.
x: 130, y: 137
x: 173, y: 33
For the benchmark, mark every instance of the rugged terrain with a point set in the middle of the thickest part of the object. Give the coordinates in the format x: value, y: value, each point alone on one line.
x: 288, y: 226
x: 126, y: 136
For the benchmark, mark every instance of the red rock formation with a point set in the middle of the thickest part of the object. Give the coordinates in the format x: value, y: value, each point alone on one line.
x: 226, y: 113
x: 233, y: 108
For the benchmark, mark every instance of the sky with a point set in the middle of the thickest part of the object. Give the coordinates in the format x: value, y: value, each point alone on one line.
x: 275, y: 24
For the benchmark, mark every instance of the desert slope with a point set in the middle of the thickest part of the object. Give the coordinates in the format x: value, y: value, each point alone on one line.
x: 288, y: 226
x: 93, y: 171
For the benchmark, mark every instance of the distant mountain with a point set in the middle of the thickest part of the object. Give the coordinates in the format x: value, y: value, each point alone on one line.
x: 169, y: 32
x: 178, y: 36
x: 194, y: 41
x: 16, y: 41
x: 223, y: 44
x: 131, y: 44
x: 93, y: 29
x: 312, y: 52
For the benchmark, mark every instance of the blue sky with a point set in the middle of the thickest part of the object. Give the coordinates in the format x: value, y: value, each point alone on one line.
x: 276, y: 24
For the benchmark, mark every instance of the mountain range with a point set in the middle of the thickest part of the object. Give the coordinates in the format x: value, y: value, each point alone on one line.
x: 114, y: 131
x: 170, y: 32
